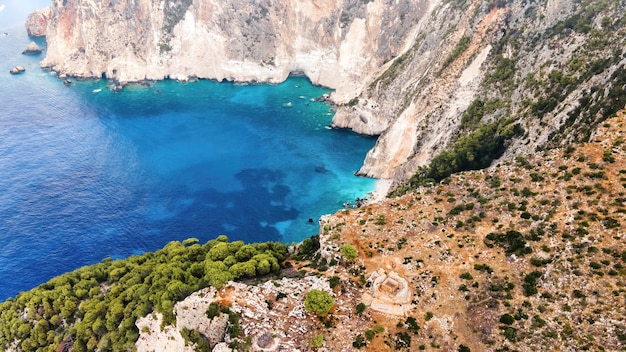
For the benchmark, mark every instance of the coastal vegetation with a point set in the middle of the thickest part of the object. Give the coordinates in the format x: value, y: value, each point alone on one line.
x: 95, y: 307
x: 459, y: 49
x: 474, y: 151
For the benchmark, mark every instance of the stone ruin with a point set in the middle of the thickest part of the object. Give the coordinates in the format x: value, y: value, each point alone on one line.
x: 390, y: 293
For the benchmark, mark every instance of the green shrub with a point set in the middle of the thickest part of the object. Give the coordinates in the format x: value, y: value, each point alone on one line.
x: 540, y: 262
x: 318, y: 341
x: 318, y: 302
x: 380, y: 220
x: 457, y: 210
x: 403, y: 340
x: 507, y: 319
x: 359, y: 342
x: 213, y: 310
x: 529, y: 287
x: 360, y: 308
x: 610, y: 223
x: 411, y: 324
x: 466, y: 276
x: 538, y: 322
x: 308, y: 247
x: 483, y: 267
x: 334, y: 281
x: 512, y: 241
x: 349, y: 252
x: 194, y: 336
x: 510, y: 334
x: 428, y: 316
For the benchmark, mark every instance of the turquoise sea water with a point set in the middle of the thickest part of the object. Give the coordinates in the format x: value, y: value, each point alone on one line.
x: 88, y: 173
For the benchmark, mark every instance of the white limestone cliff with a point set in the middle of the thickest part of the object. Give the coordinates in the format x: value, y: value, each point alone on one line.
x: 335, y: 43
x: 390, y: 62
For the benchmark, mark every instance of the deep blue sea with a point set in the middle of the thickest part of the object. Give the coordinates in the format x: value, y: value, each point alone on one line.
x: 88, y: 173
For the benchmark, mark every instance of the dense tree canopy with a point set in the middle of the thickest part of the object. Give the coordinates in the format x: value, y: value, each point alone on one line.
x: 95, y: 307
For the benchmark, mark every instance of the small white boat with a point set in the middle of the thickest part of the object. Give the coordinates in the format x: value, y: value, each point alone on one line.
x: 97, y: 90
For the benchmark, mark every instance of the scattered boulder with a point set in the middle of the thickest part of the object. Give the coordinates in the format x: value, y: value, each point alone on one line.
x: 117, y: 86
x: 37, y: 22
x: 265, y: 341
x: 17, y: 69
x: 32, y: 49
x: 215, y: 331
x: 222, y: 347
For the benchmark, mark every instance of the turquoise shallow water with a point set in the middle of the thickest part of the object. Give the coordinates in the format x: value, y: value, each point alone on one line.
x: 87, y: 173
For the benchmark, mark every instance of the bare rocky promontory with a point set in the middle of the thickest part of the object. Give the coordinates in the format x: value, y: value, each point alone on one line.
x: 37, y: 22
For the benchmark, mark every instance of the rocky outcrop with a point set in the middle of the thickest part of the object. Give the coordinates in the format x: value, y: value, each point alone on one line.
x: 272, y: 314
x: 405, y: 70
x: 32, y: 49
x: 16, y: 70
x: 37, y: 22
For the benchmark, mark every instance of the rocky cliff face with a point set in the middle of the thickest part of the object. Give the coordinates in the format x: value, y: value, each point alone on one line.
x: 543, y: 68
x: 335, y: 43
x: 422, y: 74
x: 37, y: 22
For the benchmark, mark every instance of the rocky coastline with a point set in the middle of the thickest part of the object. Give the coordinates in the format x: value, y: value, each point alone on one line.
x: 406, y: 71
x: 528, y: 254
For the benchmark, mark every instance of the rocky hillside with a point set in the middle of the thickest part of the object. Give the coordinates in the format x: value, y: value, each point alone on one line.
x: 526, y: 256
x: 551, y: 69
x: 423, y: 74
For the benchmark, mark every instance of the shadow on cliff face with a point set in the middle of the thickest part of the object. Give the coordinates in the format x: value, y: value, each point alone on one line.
x: 249, y: 214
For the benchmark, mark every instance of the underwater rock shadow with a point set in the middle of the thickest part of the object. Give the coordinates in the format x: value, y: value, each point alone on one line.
x: 246, y: 214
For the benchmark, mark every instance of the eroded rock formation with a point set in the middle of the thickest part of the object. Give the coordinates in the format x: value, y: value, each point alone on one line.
x: 32, y: 49
x: 37, y: 22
